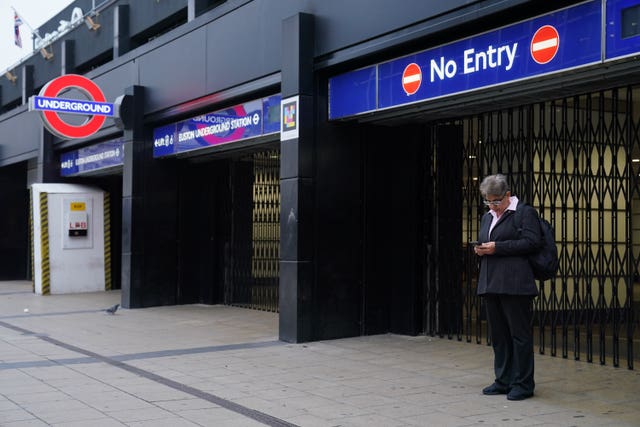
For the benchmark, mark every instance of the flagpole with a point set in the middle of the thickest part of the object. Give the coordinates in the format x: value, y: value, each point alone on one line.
x: 27, y: 24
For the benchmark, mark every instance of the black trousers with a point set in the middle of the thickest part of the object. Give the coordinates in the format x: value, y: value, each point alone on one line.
x: 511, y: 334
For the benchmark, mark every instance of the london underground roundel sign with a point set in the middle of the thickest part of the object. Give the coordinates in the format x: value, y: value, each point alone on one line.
x: 50, y: 106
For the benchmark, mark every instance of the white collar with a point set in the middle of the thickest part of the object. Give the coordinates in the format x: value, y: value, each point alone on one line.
x: 513, y: 204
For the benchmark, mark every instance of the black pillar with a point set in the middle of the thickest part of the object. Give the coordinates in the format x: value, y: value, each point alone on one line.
x: 297, y: 183
x: 48, y: 159
x: 449, y: 146
x: 68, y: 59
x: 14, y: 217
x: 132, y: 201
x: 27, y: 83
x: 121, y: 32
x: 149, y: 214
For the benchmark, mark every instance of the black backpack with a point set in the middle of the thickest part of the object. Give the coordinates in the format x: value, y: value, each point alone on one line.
x: 545, y: 262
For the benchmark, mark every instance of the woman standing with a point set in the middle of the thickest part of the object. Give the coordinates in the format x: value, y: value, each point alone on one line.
x: 507, y: 285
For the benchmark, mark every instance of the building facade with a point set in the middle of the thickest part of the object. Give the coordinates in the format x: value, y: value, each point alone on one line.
x: 322, y: 159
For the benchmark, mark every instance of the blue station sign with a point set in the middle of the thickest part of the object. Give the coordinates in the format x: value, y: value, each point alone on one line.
x: 240, y: 122
x: 622, y: 32
x: 93, y: 158
x: 558, y: 41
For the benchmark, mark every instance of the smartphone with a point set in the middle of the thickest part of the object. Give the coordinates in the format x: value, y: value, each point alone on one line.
x: 474, y: 243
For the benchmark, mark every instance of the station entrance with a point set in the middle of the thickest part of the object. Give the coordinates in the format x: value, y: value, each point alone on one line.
x: 577, y: 160
x: 229, y: 230
x: 14, y: 216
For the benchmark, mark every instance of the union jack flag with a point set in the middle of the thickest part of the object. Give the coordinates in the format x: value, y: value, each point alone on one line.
x: 17, y: 21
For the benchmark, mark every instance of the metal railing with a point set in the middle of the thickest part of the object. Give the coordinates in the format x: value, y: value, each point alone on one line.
x: 577, y: 160
x: 255, y: 249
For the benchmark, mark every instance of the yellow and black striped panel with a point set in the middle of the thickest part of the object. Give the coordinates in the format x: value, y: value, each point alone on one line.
x: 107, y: 242
x: 31, y: 242
x: 44, y: 243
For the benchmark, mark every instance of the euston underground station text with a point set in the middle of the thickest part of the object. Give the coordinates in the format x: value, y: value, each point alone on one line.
x: 98, y: 156
x: 239, y: 122
x: 218, y: 125
x: 92, y: 158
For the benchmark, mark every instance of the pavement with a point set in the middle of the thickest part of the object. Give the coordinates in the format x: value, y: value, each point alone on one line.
x: 64, y: 361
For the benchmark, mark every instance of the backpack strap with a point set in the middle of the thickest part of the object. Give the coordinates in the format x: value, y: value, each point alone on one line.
x: 519, y: 220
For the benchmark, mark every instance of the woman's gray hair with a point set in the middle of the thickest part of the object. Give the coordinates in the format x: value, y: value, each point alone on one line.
x: 494, y: 185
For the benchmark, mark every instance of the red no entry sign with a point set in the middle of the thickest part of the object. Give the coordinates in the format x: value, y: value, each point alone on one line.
x: 411, y: 78
x: 545, y: 44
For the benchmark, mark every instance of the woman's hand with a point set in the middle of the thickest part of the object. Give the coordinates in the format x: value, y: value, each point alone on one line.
x: 487, y: 248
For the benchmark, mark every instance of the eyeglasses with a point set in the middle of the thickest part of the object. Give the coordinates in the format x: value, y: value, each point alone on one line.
x: 493, y: 202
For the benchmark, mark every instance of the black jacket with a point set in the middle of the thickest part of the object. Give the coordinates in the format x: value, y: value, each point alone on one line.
x: 507, y: 271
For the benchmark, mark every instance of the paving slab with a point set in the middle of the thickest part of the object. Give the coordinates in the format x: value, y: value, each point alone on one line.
x: 65, y: 362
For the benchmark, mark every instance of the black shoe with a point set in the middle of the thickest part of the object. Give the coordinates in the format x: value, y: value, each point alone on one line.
x: 495, y: 389
x: 519, y: 395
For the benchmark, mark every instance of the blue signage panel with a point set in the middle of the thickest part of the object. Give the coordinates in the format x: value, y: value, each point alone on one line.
x: 92, y: 158
x: 271, y: 114
x: 623, y: 28
x: 240, y: 122
x: 164, y: 139
x: 558, y: 41
x: 353, y: 92
x: 561, y: 40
